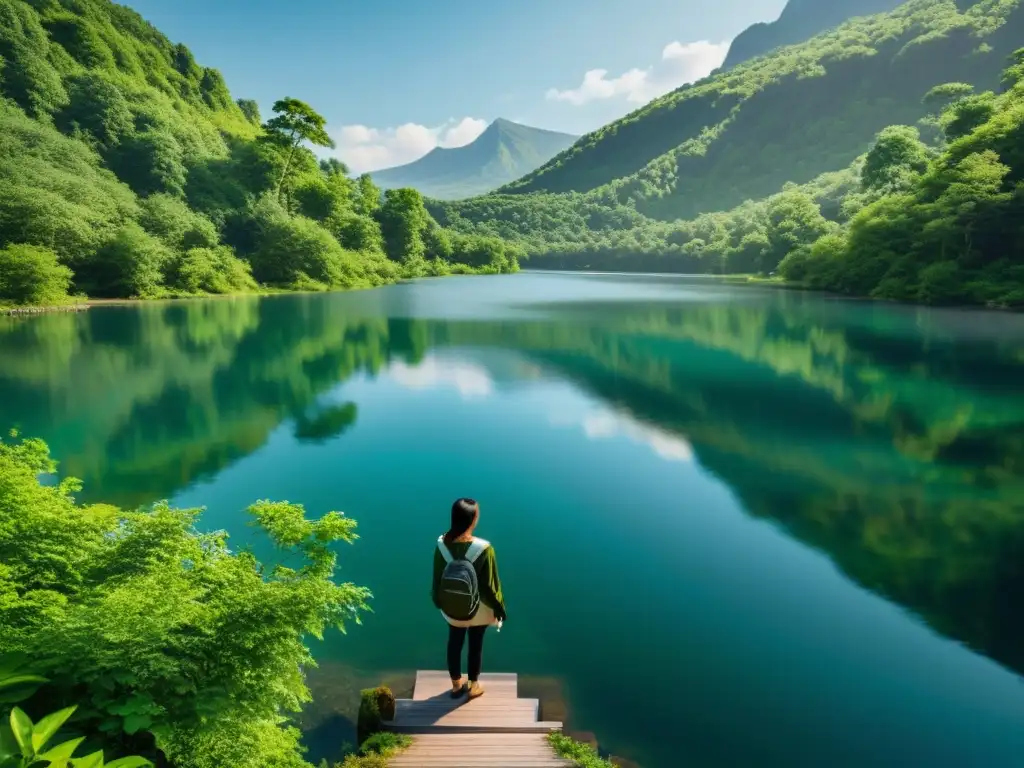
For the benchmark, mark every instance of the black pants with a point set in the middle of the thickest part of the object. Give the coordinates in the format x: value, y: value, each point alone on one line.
x: 456, y: 639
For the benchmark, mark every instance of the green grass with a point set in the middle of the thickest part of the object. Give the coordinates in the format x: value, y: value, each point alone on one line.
x: 376, y: 751
x: 582, y: 755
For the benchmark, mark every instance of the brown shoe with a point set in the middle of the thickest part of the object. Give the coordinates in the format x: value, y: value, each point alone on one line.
x: 475, y: 690
x: 458, y: 688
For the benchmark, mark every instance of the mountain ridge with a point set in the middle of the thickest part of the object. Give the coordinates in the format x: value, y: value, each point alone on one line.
x: 799, y: 20
x: 505, y: 151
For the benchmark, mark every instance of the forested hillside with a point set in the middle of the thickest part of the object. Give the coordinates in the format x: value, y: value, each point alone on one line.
x: 127, y: 169
x: 799, y: 20
x: 802, y: 111
x: 502, y: 153
x: 807, y: 114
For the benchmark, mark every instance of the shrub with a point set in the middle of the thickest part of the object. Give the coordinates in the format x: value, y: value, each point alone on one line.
x: 208, y: 270
x: 127, y: 266
x: 30, y: 274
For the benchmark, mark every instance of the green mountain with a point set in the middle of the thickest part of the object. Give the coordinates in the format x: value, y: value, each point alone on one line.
x: 799, y: 20
x: 127, y: 169
x: 880, y: 158
x: 786, y: 117
x: 502, y: 153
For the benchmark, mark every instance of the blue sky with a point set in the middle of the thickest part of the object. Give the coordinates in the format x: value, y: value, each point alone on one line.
x: 394, y: 78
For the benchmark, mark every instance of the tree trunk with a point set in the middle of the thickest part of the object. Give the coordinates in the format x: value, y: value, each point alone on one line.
x: 284, y: 171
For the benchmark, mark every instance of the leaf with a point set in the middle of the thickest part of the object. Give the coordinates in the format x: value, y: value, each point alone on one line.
x: 11, y: 663
x: 62, y: 752
x: 132, y: 761
x: 8, y: 746
x: 135, y: 723
x: 95, y: 760
x: 43, y: 731
x: 19, y: 687
x: 21, y: 727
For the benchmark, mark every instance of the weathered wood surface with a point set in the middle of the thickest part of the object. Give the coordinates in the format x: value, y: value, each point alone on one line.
x: 495, y: 730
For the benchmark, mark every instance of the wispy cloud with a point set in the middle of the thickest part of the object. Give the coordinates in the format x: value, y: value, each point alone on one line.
x: 471, y: 381
x: 680, y: 63
x: 364, y: 148
x: 607, y: 425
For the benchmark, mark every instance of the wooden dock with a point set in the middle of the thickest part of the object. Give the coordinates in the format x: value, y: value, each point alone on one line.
x: 496, y: 730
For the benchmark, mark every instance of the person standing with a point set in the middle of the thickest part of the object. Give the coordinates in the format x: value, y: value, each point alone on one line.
x: 467, y: 591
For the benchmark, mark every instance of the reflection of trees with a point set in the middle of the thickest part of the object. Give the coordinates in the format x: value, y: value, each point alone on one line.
x: 901, y: 455
x: 140, y: 402
x: 873, y: 434
x: 328, y: 423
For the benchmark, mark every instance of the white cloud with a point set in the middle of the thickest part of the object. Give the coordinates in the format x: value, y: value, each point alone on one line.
x: 364, y: 148
x: 680, y: 64
x: 605, y: 425
x: 470, y: 381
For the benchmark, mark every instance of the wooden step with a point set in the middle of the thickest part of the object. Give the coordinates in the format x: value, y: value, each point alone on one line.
x: 480, y: 750
x: 496, y: 730
x: 434, y: 683
x: 496, y: 726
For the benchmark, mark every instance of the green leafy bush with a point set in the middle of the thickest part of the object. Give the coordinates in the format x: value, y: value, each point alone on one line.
x: 154, y: 625
x: 32, y: 275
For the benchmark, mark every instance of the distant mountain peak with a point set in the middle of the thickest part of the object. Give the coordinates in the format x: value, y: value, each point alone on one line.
x: 504, y: 152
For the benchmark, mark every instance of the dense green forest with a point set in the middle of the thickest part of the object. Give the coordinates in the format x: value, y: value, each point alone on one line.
x: 126, y: 169
x: 780, y: 166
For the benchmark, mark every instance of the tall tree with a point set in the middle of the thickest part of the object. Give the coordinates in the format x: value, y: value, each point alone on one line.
x: 295, y: 122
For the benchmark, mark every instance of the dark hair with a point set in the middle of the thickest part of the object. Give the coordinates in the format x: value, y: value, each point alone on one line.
x: 464, y: 512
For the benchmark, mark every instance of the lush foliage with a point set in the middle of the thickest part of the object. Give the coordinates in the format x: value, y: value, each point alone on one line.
x: 949, y: 231
x: 581, y: 755
x: 24, y: 743
x: 374, y: 751
x: 790, y: 116
x: 131, y: 162
x: 942, y: 195
x: 32, y: 275
x: 169, y: 642
x: 799, y: 20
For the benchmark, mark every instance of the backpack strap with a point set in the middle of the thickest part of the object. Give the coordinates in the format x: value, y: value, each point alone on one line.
x: 476, y: 549
x: 444, y: 549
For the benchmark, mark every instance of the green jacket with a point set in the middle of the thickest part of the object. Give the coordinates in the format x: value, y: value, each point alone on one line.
x: 486, y: 567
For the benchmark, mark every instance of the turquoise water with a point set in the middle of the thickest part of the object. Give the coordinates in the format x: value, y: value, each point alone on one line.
x: 735, y: 526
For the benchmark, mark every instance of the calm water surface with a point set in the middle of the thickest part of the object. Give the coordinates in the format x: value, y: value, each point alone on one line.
x: 735, y: 526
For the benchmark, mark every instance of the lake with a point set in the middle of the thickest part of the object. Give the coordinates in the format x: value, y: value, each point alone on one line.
x: 735, y: 525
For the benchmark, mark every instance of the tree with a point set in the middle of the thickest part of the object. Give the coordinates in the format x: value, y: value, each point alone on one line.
x: 250, y: 109
x: 943, y: 95
x: 403, y: 222
x: 149, y: 162
x: 963, y: 116
x: 367, y: 198
x: 32, y: 275
x: 295, y: 123
x: 898, y: 154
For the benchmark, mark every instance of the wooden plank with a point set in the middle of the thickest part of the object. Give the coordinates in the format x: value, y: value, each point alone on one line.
x: 452, y: 761
x: 433, y: 683
x: 448, y: 761
x: 414, y: 728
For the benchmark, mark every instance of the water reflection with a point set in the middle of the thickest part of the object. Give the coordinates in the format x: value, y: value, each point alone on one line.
x: 891, y: 439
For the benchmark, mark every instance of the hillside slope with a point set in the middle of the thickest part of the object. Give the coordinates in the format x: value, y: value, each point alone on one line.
x: 502, y: 153
x: 799, y: 20
x: 788, y: 116
x: 127, y: 170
